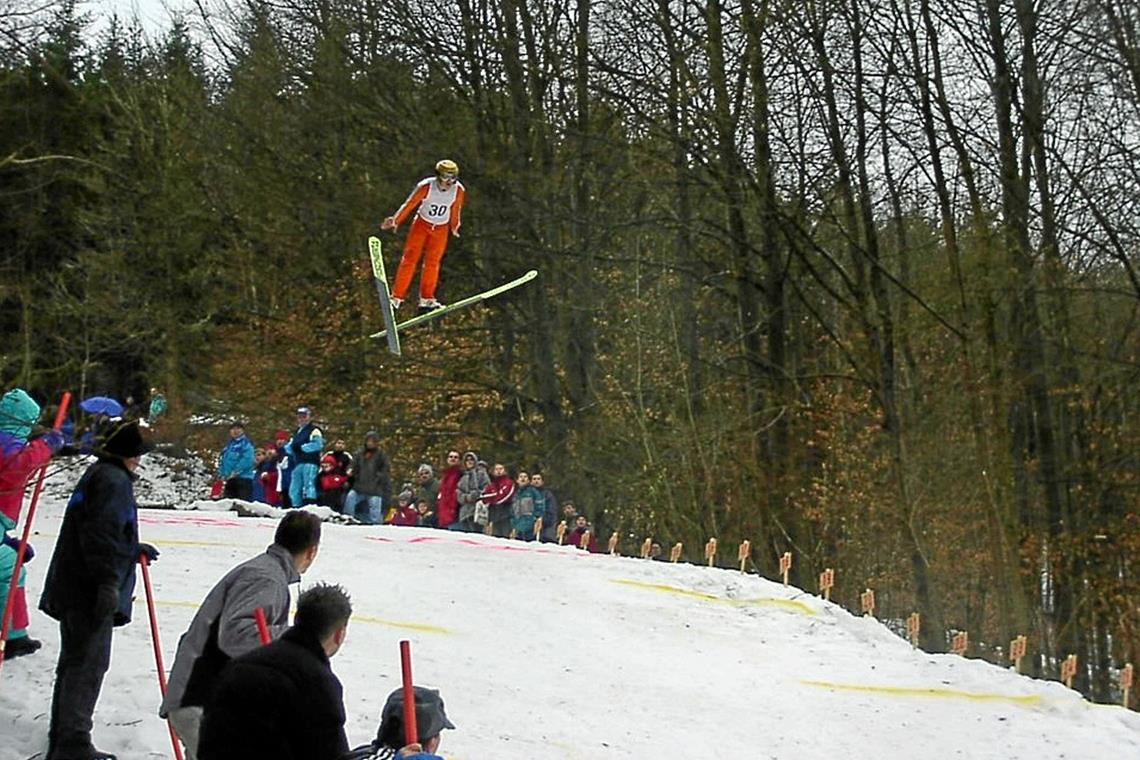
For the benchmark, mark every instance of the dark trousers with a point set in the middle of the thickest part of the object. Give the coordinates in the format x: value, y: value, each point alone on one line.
x: 84, y: 656
x: 238, y: 488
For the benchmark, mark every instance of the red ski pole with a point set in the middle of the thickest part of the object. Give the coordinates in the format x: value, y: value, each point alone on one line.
x: 262, y: 625
x: 8, y: 603
x: 145, y: 562
x: 411, y: 734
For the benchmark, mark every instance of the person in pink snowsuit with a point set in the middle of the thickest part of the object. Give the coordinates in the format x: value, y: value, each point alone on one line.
x: 19, y: 458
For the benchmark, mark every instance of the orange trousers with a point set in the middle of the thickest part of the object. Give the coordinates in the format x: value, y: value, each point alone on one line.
x: 422, y: 238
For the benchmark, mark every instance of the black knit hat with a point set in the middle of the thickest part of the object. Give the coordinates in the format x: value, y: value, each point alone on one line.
x: 124, y: 441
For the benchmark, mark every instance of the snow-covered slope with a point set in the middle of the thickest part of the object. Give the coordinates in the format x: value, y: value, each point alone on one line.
x: 546, y: 652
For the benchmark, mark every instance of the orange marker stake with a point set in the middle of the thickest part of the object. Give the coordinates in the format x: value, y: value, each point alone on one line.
x: 710, y: 551
x: 1017, y: 651
x: 613, y: 544
x: 646, y: 547
x: 584, y: 542
x: 1126, y: 682
x: 785, y: 566
x: 1069, y: 670
x: 560, y: 531
x: 826, y: 583
x: 743, y: 552
x: 538, y: 530
x: 913, y: 627
x: 960, y: 643
x: 867, y: 600
x: 675, y: 552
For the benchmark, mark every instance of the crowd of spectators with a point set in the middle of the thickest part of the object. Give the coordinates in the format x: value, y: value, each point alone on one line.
x: 463, y: 493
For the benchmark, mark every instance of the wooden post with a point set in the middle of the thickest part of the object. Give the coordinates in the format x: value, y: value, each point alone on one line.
x: 743, y: 552
x: 785, y: 566
x: 826, y: 582
x: 538, y: 530
x: 1126, y: 682
x: 1069, y: 670
x: 613, y: 543
x: 675, y: 552
x: 867, y: 601
x: 514, y: 534
x: 646, y: 547
x: 960, y: 644
x: 1016, y: 652
x: 560, y: 531
x: 584, y: 542
x: 913, y: 627
x: 710, y: 551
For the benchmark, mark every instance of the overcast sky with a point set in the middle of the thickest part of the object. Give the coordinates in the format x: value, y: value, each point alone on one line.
x: 154, y: 14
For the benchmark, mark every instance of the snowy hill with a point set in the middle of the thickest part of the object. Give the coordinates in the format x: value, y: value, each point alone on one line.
x: 547, y: 652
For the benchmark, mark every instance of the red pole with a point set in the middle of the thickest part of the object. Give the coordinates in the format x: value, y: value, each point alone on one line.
x: 411, y: 734
x: 145, y: 562
x: 7, y: 617
x: 262, y: 625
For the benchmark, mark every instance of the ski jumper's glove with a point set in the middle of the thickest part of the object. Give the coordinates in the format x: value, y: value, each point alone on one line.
x: 11, y: 541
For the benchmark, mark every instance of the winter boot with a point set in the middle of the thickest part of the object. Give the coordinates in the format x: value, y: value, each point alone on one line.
x: 20, y: 647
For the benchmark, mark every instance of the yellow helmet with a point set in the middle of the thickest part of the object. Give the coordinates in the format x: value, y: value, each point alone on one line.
x: 447, y: 166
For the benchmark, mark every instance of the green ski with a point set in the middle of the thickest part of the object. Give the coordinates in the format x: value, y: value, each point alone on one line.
x: 385, y: 297
x: 427, y: 316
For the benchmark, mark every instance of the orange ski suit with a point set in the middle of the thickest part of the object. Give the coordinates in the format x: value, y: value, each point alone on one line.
x: 438, y: 211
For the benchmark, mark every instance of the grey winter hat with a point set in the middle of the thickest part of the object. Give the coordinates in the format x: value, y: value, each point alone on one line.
x: 425, y: 467
x: 431, y: 718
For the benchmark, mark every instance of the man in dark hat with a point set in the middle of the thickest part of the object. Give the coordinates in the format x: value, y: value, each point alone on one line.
x: 90, y: 584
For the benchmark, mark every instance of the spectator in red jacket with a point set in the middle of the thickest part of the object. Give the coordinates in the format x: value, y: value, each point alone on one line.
x: 447, y: 507
x: 582, y: 528
x: 498, y: 496
x: 267, y: 474
x: 331, y: 483
x: 404, y: 513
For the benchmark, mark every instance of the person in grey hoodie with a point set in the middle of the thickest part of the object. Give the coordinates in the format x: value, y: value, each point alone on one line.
x: 225, y: 627
x: 471, y: 484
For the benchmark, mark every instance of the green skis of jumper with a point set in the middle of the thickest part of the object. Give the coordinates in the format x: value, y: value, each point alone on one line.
x: 381, y: 280
x: 394, y: 330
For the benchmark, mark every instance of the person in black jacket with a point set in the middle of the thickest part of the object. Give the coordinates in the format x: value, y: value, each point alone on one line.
x: 282, y: 701
x: 90, y: 585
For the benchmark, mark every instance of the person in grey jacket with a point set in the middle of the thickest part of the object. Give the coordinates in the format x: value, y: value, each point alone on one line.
x: 371, y: 482
x: 471, y: 484
x: 224, y: 626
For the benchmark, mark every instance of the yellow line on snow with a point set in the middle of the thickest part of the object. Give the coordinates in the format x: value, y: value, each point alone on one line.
x: 369, y: 619
x: 909, y: 691
x: 787, y: 604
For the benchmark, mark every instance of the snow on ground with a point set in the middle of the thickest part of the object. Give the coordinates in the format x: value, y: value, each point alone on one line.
x: 547, y: 652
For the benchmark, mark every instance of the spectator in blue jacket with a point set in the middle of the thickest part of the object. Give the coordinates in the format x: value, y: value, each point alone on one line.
x: 90, y: 586
x: 526, y: 507
x: 304, y: 450
x: 236, y: 464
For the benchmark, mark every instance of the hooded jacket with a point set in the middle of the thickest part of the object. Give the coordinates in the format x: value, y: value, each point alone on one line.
x: 470, y: 487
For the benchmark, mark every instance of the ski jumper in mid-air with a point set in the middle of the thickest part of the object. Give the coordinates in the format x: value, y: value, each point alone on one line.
x: 437, y: 202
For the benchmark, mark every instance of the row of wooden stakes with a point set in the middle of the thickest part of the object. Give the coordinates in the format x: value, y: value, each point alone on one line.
x: 959, y: 644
